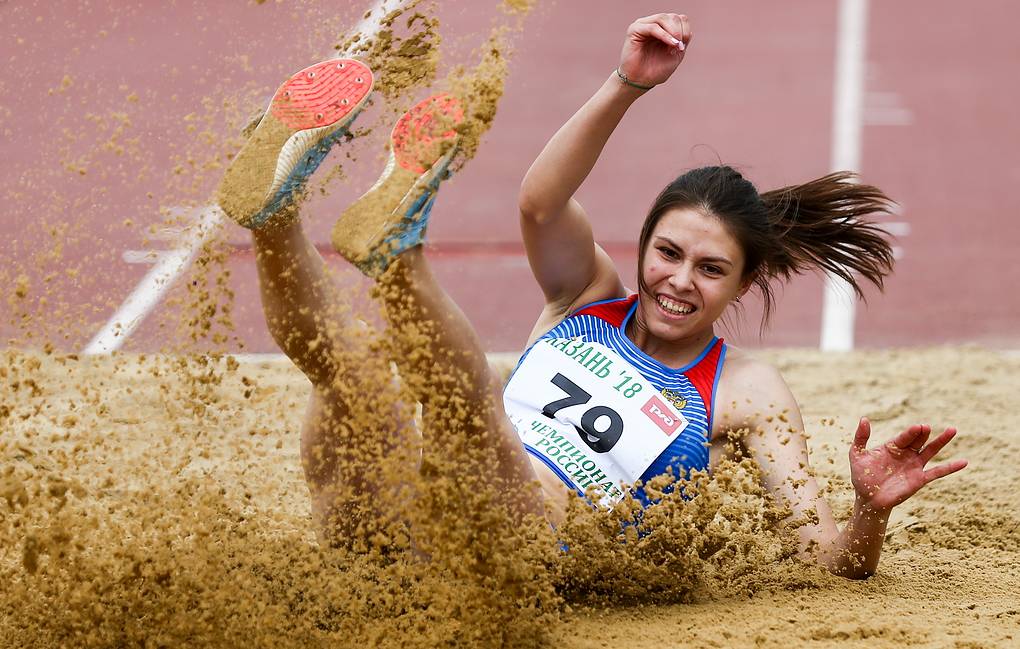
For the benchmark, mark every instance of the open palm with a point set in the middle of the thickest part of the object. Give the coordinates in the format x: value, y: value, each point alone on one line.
x: 887, y: 475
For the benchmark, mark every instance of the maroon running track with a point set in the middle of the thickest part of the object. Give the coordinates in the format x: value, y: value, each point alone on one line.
x: 756, y: 91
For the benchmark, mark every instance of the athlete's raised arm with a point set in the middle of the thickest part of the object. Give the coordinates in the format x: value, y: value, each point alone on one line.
x: 567, y: 263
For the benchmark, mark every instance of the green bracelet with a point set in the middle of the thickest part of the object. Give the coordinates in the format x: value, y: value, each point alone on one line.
x: 630, y: 83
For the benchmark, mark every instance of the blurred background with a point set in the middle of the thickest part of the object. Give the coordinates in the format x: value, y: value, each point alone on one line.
x: 115, y: 118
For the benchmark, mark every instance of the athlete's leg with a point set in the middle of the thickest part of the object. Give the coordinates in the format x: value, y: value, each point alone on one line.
x: 440, y: 358
x: 442, y: 361
x: 307, y: 115
x: 345, y: 433
x: 300, y: 299
x: 447, y: 360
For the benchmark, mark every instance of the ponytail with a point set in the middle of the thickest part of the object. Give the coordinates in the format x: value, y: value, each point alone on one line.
x: 821, y: 225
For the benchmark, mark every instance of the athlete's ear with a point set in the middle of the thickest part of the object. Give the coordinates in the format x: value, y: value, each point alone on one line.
x: 745, y: 284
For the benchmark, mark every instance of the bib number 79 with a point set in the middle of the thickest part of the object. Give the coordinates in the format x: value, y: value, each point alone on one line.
x: 600, y: 441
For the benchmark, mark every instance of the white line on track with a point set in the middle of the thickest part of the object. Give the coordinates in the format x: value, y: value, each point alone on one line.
x: 150, y: 291
x: 169, y: 265
x: 838, y: 303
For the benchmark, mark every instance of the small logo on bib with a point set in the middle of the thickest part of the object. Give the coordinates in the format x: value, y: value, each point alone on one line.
x: 675, y: 398
x: 660, y: 415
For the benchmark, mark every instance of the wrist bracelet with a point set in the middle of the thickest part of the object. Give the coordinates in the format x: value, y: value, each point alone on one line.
x: 630, y: 83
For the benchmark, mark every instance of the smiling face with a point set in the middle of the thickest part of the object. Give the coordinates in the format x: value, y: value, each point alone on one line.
x: 692, y: 270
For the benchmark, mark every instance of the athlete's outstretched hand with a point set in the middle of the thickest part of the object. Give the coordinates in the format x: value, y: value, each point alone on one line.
x: 885, y: 476
x: 654, y: 47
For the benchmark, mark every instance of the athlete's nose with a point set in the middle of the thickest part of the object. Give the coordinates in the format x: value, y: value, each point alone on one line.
x: 682, y: 278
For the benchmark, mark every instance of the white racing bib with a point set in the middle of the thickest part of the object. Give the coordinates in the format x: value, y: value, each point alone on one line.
x: 589, y: 415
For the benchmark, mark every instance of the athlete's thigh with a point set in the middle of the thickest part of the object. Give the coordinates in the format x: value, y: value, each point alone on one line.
x: 342, y: 441
x: 514, y: 465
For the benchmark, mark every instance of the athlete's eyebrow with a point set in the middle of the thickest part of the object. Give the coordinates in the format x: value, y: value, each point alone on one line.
x: 715, y: 260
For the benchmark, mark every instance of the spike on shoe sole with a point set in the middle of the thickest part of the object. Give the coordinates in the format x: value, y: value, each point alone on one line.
x: 421, y: 133
x: 306, y: 116
x: 423, y: 142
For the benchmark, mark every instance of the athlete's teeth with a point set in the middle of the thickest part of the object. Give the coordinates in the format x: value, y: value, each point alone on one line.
x: 674, y: 308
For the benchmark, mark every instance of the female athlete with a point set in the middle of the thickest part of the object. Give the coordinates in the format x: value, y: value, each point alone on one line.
x: 615, y: 387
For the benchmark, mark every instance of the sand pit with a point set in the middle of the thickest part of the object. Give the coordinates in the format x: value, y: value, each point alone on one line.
x: 161, y: 500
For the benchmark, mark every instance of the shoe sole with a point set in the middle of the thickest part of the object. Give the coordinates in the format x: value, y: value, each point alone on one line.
x: 306, y: 116
x: 422, y: 144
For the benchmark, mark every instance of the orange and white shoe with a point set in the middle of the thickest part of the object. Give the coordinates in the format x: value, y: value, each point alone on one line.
x: 393, y: 215
x: 306, y: 117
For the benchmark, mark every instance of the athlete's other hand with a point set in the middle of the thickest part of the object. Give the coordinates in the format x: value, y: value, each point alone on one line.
x: 654, y: 47
x: 885, y: 476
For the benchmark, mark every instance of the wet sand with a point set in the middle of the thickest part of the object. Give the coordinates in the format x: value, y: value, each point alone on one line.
x: 162, y: 498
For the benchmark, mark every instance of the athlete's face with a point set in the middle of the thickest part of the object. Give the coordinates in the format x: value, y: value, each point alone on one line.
x: 693, y: 270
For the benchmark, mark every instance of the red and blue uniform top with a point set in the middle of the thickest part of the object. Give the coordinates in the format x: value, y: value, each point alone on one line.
x: 690, y: 389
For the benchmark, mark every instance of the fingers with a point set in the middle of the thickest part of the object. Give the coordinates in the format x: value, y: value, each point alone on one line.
x: 656, y: 31
x: 921, y: 439
x: 685, y: 29
x: 678, y: 26
x: 908, y: 438
x: 862, y: 435
x: 942, y: 470
x: 931, y: 450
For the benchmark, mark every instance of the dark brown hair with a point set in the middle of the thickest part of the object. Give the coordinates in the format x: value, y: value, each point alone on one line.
x: 818, y: 226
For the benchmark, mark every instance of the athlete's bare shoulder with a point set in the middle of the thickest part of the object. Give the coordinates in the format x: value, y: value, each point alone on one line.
x: 749, y: 389
x: 742, y: 365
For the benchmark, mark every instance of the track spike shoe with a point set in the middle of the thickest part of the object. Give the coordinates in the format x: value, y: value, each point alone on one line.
x: 393, y: 215
x: 306, y: 117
